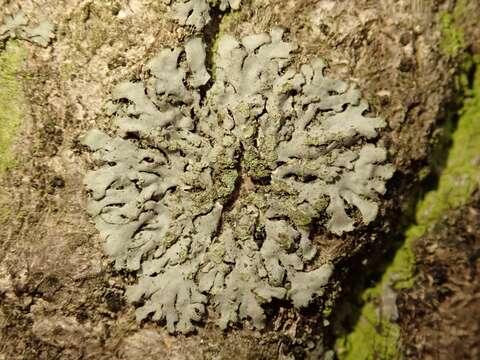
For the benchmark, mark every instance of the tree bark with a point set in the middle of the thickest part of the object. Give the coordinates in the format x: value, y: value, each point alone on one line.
x: 59, y: 295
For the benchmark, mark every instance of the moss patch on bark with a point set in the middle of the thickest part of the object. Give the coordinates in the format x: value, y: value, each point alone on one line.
x: 453, y: 37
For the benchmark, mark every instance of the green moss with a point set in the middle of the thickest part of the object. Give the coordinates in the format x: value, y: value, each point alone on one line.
x: 371, y: 339
x: 377, y: 338
x: 11, y: 100
x: 462, y: 173
x: 453, y: 37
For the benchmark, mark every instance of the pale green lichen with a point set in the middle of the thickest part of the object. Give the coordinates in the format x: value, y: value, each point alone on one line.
x: 203, y: 170
x: 11, y: 100
x: 17, y: 26
x: 196, y: 13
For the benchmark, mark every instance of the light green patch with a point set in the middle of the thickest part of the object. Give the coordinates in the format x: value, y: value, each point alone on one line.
x: 372, y: 339
x: 453, y: 37
x: 299, y: 217
x: 228, y: 181
x: 287, y: 87
x: 321, y: 205
x: 257, y: 199
x: 255, y: 166
x: 282, y: 188
x: 229, y: 20
x: 462, y: 173
x: 377, y: 338
x: 11, y: 100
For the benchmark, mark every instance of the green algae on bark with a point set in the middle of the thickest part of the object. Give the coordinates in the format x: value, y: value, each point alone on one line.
x: 461, y: 176
x: 374, y: 336
x: 11, y: 100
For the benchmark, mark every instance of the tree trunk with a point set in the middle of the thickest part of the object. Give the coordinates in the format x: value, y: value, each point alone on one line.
x: 60, y: 297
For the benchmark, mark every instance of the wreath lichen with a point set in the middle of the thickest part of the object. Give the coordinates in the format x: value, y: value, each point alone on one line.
x: 210, y: 193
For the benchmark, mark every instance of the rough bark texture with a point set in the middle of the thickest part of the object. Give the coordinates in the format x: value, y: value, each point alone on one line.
x: 59, y: 297
x: 445, y: 298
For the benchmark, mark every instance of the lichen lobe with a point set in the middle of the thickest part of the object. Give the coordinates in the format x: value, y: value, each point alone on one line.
x: 211, y: 198
x: 196, y: 13
x: 17, y: 26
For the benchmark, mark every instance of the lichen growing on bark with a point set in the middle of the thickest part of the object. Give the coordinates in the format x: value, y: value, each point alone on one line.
x: 17, y: 26
x: 210, y: 194
x: 196, y: 13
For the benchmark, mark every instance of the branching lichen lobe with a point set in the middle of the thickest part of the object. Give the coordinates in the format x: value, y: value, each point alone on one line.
x: 211, y: 201
x: 18, y: 26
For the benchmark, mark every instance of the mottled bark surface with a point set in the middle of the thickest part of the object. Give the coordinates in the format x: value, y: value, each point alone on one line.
x: 59, y: 297
x: 440, y: 313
